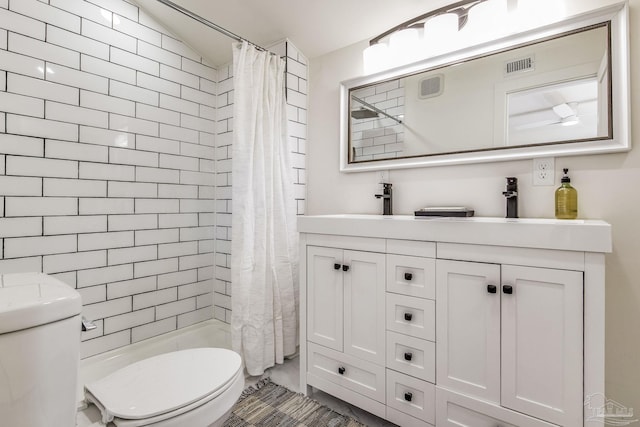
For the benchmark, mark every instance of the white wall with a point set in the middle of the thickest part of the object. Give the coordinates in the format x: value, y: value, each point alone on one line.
x: 107, y: 128
x: 606, y: 187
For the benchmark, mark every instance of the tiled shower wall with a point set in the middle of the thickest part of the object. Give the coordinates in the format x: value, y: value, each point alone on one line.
x: 381, y: 137
x: 107, y: 153
x: 297, y: 127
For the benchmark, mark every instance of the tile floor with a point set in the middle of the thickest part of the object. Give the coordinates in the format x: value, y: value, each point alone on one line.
x: 288, y: 375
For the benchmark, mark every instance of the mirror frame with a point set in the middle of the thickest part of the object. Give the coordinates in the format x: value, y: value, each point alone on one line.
x: 617, y: 15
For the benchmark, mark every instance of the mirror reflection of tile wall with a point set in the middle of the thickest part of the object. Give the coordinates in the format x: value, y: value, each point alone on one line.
x: 378, y: 137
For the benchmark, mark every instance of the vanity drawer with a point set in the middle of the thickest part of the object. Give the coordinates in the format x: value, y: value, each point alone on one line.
x: 410, y: 275
x: 411, y: 316
x: 457, y: 410
x: 412, y: 396
x: 347, y: 371
x: 411, y: 356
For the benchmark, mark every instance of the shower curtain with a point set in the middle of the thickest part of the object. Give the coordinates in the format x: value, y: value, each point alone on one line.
x: 264, y: 276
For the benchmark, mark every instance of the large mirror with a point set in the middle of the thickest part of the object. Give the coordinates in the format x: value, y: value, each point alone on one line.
x: 559, y: 90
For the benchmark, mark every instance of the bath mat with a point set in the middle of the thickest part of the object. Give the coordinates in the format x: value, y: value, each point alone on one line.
x: 269, y: 405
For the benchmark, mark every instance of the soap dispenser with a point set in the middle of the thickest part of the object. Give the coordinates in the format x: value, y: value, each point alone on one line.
x: 566, y: 199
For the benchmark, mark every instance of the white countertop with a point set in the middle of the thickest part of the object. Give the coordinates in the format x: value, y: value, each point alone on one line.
x: 542, y: 233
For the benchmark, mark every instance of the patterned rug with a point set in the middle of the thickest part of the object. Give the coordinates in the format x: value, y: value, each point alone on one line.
x: 270, y: 405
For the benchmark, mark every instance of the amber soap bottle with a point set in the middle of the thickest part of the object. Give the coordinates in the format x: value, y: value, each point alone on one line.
x: 566, y: 199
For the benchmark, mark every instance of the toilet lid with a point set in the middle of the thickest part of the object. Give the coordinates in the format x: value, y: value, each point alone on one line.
x: 165, y: 382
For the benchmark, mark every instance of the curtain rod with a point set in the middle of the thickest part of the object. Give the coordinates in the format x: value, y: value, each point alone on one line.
x: 208, y: 23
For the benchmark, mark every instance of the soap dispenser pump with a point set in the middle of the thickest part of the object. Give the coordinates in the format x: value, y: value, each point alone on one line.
x: 566, y: 199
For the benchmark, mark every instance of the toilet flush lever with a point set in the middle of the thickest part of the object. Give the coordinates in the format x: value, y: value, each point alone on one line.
x: 87, y: 325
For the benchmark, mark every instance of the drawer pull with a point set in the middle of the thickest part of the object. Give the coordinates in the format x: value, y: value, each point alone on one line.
x: 492, y: 289
x: 408, y: 396
x: 336, y: 266
x: 345, y: 268
x: 507, y: 289
x: 341, y: 370
x: 408, y: 317
x: 408, y: 356
x: 408, y: 276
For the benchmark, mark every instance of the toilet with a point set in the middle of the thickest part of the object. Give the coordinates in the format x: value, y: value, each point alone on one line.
x: 40, y: 325
x: 39, y: 351
x: 195, y: 387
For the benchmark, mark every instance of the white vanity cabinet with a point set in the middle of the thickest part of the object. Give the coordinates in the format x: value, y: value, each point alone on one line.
x: 455, y: 322
x: 512, y: 335
x: 345, y: 317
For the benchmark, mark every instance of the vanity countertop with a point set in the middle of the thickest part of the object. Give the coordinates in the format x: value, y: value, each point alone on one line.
x: 572, y: 235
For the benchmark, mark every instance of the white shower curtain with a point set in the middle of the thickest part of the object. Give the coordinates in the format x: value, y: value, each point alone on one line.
x: 264, y: 247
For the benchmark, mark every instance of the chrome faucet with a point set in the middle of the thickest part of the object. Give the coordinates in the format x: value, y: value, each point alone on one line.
x: 387, y: 200
x: 512, y: 197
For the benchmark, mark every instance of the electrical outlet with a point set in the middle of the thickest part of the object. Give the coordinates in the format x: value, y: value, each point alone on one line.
x: 543, y: 171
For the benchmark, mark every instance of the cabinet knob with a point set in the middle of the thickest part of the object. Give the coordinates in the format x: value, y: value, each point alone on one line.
x: 507, y: 289
x: 408, y: 276
x: 345, y: 268
x: 492, y: 289
x: 408, y: 356
x: 408, y: 317
x: 408, y: 396
x: 336, y: 266
x: 341, y: 370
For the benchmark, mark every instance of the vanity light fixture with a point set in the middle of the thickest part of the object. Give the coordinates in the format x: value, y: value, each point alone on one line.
x: 461, y: 24
x: 426, y: 35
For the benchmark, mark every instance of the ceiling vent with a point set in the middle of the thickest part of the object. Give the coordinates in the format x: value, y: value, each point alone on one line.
x: 431, y: 86
x: 518, y: 66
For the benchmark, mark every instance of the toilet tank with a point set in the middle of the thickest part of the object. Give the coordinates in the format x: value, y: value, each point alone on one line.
x: 39, y: 351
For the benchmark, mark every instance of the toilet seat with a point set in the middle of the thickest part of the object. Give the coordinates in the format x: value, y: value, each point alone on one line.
x: 168, y: 385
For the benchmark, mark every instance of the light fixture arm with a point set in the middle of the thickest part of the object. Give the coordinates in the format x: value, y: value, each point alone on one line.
x: 438, y: 31
x: 460, y: 8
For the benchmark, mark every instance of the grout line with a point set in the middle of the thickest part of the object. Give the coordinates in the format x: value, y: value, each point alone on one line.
x: 107, y: 182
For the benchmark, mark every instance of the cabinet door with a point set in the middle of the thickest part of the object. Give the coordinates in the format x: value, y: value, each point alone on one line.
x: 542, y: 343
x: 325, y: 297
x: 364, y: 305
x: 468, y: 328
x: 458, y: 410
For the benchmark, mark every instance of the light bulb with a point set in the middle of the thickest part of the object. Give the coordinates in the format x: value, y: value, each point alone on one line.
x: 405, y: 46
x: 440, y: 34
x: 376, y: 58
x: 536, y: 13
x: 486, y: 21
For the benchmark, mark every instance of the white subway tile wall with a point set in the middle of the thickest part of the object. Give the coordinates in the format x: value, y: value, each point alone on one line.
x: 107, y: 164
x: 379, y: 137
x: 296, y: 114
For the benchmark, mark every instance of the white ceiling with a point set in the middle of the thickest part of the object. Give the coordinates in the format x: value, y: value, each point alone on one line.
x: 315, y: 27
